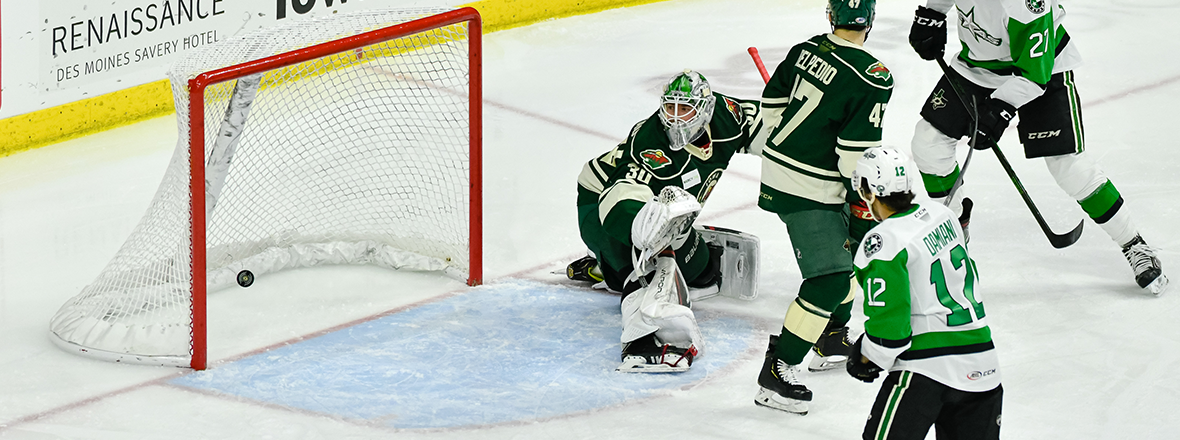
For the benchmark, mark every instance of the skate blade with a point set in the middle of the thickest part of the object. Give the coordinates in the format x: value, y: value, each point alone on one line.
x: 704, y: 293
x: 820, y: 363
x: 643, y: 367
x: 773, y: 400
x: 1158, y: 286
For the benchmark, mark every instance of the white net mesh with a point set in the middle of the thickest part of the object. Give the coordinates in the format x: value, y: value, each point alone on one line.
x: 360, y: 157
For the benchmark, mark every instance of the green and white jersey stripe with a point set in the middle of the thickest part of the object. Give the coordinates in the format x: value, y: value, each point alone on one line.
x: 922, y: 300
x: 889, y: 414
x: 822, y: 108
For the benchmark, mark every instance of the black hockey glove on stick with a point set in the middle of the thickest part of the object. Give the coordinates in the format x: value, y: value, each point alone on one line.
x: 993, y: 120
x: 861, y: 367
x: 928, y: 33
x: 1057, y: 240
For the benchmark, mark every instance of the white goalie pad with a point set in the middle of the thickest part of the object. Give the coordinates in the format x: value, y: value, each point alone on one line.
x: 662, y: 307
x: 739, y: 262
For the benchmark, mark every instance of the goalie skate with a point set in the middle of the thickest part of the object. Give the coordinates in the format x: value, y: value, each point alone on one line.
x: 645, y: 355
x: 584, y: 269
x: 1148, y: 271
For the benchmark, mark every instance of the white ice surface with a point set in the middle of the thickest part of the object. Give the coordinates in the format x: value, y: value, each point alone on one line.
x: 1084, y: 353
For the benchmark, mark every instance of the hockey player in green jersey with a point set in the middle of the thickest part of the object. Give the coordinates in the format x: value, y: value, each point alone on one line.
x: 925, y: 318
x: 686, y: 144
x: 822, y: 107
x: 1017, y: 59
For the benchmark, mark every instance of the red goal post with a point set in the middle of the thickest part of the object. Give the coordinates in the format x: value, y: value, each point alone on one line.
x: 343, y: 152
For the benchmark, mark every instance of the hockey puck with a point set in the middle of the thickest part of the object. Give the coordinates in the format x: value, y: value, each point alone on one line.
x: 245, y: 278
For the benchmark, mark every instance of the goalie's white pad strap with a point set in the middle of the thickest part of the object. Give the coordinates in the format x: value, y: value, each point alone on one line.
x: 739, y: 261
x: 662, y: 307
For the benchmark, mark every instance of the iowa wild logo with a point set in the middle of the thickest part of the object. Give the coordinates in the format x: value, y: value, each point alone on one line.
x: 655, y: 159
x: 733, y: 109
x: 878, y: 70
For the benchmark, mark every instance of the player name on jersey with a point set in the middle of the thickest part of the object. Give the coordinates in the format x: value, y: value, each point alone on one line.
x: 816, y: 66
x: 939, y: 237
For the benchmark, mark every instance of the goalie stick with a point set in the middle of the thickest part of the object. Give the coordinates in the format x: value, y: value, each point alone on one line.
x: 1057, y: 240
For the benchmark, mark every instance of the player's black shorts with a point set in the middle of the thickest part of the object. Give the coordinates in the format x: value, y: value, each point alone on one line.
x: 909, y: 403
x: 1050, y: 125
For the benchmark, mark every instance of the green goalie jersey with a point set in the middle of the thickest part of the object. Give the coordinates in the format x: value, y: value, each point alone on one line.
x: 1013, y: 46
x: 623, y: 179
x: 823, y: 107
x: 922, y: 300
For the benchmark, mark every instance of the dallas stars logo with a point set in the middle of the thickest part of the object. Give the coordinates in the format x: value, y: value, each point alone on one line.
x: 873, y: 244
x: 939, y: 99
x: 967, y: 21
x: 1035, y: 6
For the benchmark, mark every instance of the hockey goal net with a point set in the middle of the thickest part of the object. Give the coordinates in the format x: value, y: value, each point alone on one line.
x: 350, y: 139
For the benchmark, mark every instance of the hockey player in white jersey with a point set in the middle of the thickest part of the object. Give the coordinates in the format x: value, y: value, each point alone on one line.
x: 1017, y: 59
x: 926, y: 322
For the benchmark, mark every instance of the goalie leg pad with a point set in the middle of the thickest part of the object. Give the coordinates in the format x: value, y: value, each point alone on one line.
x: 739, y: 261
x: 662, y: 307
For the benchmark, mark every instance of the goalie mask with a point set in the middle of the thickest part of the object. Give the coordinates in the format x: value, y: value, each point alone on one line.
x: 884, y: 171
x: 851, y: 12
x: 686, y: 107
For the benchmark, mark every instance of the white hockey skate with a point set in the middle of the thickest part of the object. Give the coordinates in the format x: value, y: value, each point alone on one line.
x: 1148, y: 271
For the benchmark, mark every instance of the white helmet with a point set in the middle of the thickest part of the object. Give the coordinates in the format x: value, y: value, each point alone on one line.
x: 686, y: 124
x: 885, y: 170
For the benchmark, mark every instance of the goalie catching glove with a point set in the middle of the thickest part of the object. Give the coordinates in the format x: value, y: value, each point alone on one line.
x: 662, y: 222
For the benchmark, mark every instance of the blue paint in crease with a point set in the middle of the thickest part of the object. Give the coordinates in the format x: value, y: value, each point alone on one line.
x: 507, y: 352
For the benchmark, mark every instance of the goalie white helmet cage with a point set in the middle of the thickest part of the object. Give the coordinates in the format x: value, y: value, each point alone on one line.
x: 686, y: 107
x: 885, y: 171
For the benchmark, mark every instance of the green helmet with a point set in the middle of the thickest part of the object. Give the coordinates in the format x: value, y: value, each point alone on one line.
x: 851, y: 12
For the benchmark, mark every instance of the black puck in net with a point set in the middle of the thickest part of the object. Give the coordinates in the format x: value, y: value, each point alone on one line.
x: 245, y: 278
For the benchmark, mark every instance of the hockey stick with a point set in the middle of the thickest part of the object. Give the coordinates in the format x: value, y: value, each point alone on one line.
x: 758, y: 62
x: 1057, y: 240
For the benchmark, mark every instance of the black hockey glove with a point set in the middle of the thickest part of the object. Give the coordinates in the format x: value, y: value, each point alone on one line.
x: 994, y: 116
x: 861, y: 367
x: 928, y: 33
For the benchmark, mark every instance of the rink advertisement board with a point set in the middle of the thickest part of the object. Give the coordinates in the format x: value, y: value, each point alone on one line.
x: 110, y: 39
x: 76, y: 49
